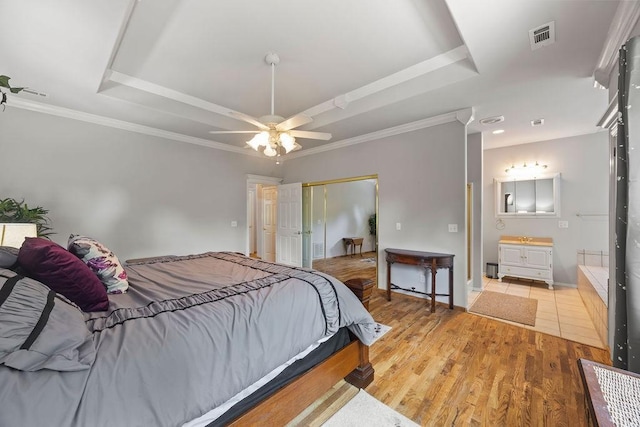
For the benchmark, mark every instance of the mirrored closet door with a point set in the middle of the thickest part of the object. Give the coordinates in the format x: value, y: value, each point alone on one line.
x: 340, y: 227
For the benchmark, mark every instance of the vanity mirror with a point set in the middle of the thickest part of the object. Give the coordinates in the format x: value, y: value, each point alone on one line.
x: 528, y: 197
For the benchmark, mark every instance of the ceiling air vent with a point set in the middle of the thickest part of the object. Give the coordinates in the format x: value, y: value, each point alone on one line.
x: 543, y: 35
x: 537, y: 122
x: 492, y: 120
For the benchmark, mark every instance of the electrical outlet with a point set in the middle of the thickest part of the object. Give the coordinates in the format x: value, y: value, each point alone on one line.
x: 398, y: 226
x: 563, y: 224
x: 453, y: 228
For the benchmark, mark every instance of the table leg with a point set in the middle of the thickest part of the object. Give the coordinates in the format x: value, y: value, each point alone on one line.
x: 434, y: 271
x: 389, y: 280
x: 451, y: 287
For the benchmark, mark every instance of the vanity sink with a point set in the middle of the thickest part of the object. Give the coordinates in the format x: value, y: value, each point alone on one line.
x: 526, y: 258
x: 525, y: 240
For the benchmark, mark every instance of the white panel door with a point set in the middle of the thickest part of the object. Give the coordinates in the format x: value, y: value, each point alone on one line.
x: 269, y: 205
x: 251, y: 203
x: 307, y: 223
x: 289, y: 232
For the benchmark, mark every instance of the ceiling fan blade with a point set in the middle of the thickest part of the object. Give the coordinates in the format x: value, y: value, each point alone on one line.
x: 233, y: 131
x: 294, y: 122
x: 247, y: 118
x: 310, y: 135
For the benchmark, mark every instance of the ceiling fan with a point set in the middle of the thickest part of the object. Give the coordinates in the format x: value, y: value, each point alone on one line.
x: 275, y: 134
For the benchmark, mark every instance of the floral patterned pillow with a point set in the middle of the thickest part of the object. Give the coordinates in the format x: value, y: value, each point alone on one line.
x: 101, y: 261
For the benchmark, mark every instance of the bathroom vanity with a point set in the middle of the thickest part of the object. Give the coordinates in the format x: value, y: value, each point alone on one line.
x: 526, y: 258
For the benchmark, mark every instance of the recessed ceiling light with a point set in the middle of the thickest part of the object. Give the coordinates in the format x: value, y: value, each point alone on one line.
x: 492, y: 120
x: 537, y: 122
x: 498, y: 131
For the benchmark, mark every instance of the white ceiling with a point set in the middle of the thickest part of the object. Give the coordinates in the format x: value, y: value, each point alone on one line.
x: 179, y: 68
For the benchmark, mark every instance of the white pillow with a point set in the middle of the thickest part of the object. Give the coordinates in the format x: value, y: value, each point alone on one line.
x: 101, y: 261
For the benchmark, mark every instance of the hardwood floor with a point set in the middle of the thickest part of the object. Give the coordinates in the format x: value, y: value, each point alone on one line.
x: 457, y: 368
x: 454, y: 368
x: 348, y: 267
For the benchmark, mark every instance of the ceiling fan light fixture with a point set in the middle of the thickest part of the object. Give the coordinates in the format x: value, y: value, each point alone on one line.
x: 269, y: 151
x: 260, y: 140
x: 287, y: 141
x: 276, y: 134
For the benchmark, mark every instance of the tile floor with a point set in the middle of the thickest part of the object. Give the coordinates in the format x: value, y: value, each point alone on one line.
x: 561, y: 311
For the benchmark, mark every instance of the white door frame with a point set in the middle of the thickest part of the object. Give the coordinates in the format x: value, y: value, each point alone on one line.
x: 255, y: 179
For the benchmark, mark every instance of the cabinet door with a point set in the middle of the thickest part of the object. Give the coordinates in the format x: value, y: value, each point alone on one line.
x: 538, y: 258
x: 511, y: 255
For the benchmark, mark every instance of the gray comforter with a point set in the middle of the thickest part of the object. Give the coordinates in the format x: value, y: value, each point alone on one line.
x: 190, y: 333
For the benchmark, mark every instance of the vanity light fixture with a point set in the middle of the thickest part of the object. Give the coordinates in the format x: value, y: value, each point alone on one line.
x: 536, y: 168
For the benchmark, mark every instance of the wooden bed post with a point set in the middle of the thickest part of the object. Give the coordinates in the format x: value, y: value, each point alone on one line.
x: 362, y: 288
x: 362, y: 376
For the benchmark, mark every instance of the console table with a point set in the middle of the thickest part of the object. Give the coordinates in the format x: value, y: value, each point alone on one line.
x: 352, y: 242
x: 430, y: 261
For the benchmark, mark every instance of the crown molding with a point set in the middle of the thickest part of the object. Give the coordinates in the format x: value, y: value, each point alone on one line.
x: 147, y: 130
x: 610, y: 116
x: 624, y: 20
x: 465, y: 116
x: 120, y: 124
x: 437, y: 62
x: 261, y: 179
x: 384, y: 133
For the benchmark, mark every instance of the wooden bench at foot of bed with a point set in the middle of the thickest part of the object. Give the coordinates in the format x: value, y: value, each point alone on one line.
x: 351, y: 363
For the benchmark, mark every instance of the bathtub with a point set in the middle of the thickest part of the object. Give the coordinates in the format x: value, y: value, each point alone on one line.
x: 594, y: 289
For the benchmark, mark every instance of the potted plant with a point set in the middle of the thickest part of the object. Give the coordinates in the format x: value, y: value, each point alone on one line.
x: 12, y: 210
x: 4, y: 83
x: 372, y: 224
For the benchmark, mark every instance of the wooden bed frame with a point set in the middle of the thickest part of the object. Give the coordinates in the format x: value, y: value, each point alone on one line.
x: 351, y: 363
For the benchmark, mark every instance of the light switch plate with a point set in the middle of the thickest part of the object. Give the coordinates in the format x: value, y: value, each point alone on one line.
x: 453, y: 228
x: 563, y: 224
x: 234, y: 223
x: 398, y: 226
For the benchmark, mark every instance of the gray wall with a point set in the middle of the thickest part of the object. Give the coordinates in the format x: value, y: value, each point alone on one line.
x: 421, y: 184
x: 474, y: 177
x: 140, y: 195
x: 145, y: 196
x: 583, y: 162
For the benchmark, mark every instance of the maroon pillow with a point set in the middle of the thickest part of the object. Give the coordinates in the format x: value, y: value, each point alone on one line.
x: 63, y: 272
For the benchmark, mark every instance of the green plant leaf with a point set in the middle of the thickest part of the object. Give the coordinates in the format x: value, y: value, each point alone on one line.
x: 4, y: 82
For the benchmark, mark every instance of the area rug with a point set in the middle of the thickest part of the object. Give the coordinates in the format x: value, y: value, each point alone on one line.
x: 365, y: 410
x: 507, y: 307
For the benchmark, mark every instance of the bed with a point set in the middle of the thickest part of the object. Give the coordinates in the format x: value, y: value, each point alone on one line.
x: 209, y: 339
